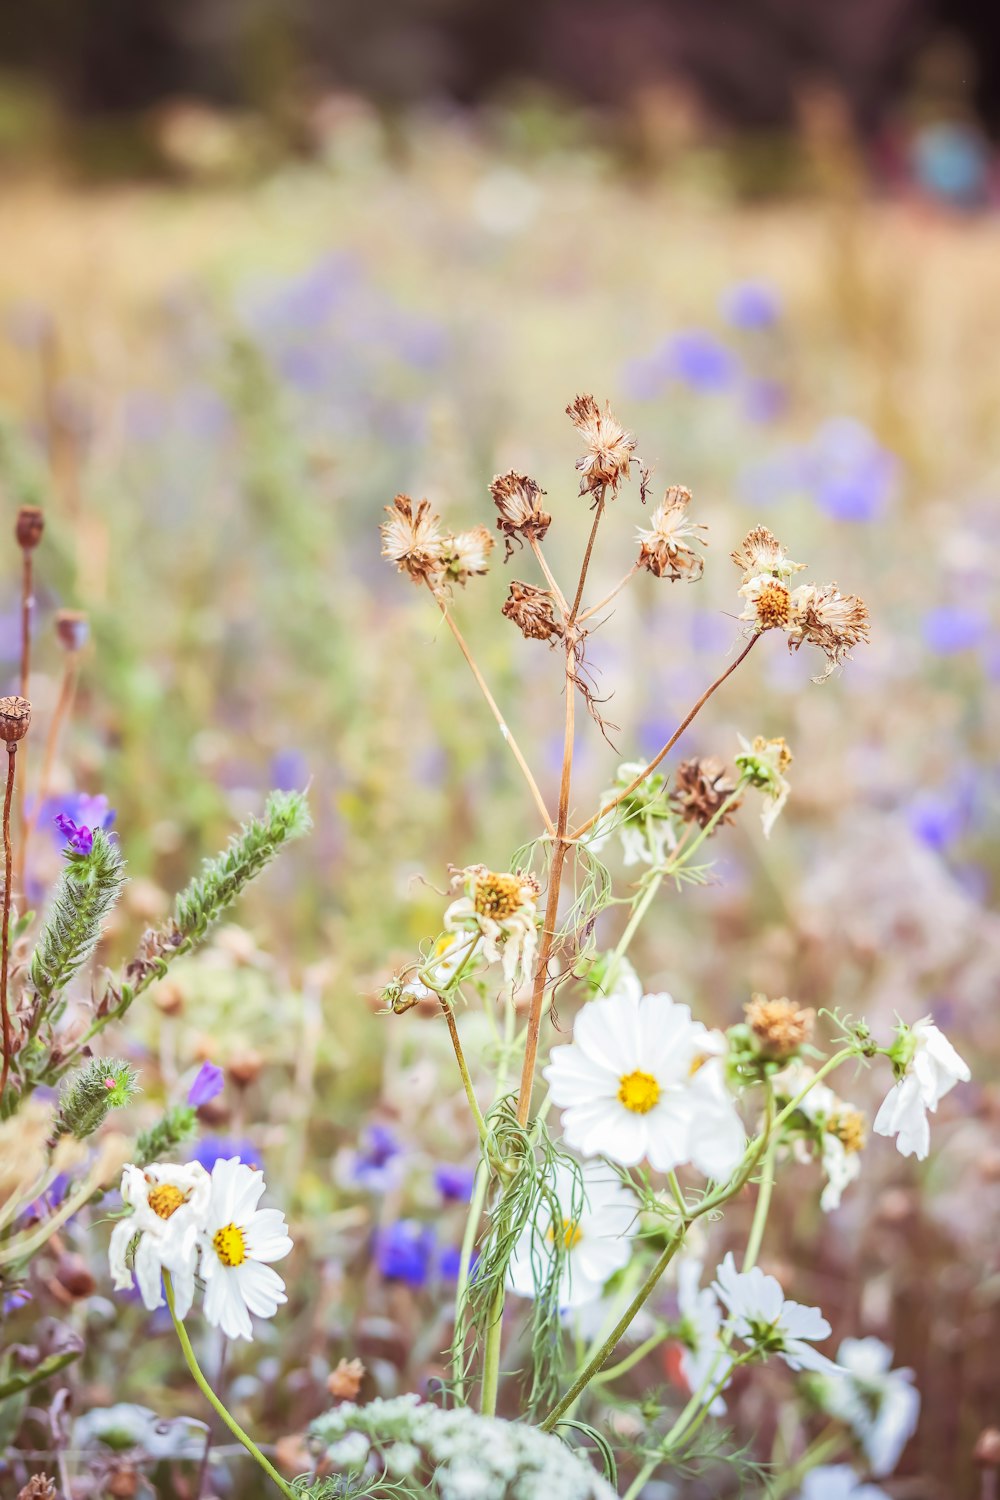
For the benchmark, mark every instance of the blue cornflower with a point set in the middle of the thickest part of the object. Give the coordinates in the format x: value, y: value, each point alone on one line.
x: 454, y: 1183
x: 403, y: 1251
x: 700, y: 360
x: 954, y: 627
x: 375, y: 1166
x: 208, y: 1084
x: 213, y: 1148
x: 751, y: 304
x: 850, y: 474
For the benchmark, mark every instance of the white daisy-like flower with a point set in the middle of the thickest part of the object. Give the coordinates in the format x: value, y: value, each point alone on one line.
x: 643, y: 820
x: 760, y: 1315
x: 764, y: 762
x: 237, y: 1243
x: 927, y: 1068
x: 502, y: 908
x: 704, y: 1355
x: 838, y: 1482
x: 595, y: 1223
x: 881, y: 1405
x: 642, y: 1080
x: 168, y: 1204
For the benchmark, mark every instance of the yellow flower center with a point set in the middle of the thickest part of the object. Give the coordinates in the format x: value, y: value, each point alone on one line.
x: 773, y: 606
x: 639, y: 1092
x: 165, y: 1199
x: 572, y: 1234
x: 230, y: 1245
x: 850, y: 1129
x: 498, y: 896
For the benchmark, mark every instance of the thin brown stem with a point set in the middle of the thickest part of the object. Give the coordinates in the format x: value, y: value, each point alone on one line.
x: 8, y: 880
x: 64, y: 704
x: 494, y: 709
x: 596, y: 608
x: 27, y: 604
x: 557, y: 592
x: 648, y: 770
x: 598, y: 513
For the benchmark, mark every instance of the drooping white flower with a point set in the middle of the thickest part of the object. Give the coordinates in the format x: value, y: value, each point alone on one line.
x: 501, y: 908
x: 842, y: 1167
x: 595, y: 1222
x: 760, y: 1315
x: 764, y: 763
x: 838, y: 1482
x: 880, y: 1404
x: 837, y: 1130
x: 238, y: 1241
x: 927, y: 1067
x: 704, y: 1356
x: 643, y: 820
x: 642, y: 1080
x: 168, y: 1206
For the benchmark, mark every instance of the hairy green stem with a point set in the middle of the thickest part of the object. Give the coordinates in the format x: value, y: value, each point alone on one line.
x: 213, y: 1400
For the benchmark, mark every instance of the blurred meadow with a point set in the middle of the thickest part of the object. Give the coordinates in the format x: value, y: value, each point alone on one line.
x: 215, y: 379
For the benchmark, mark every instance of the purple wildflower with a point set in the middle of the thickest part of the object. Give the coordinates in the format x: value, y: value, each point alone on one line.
x: 403, y: 1251
x: 751, y: 304
x: 375, y: 1166
x: 208, y: 1084
x: 213, y: 1148
x: 701, y: 361
x: 953, y: 628
x: 454, y: 1183
x: 79, y: 838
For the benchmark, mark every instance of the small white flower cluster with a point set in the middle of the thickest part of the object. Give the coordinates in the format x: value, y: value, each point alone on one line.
x: 454, y: 1455
x: 188, y: 1222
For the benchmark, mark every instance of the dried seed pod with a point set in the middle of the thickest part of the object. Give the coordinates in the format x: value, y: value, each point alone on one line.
x: 15, y: 716
x: 29, y: 527
x: 533, y: 612
x: 72, y: 628
x: 701, y: 786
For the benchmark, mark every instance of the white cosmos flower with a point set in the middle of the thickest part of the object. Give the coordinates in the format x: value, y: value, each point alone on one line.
x: 500, y: 907
x: 237, y: 1241
x: 839, y: 1133
x: 642, y: 820
x: 760, y: 1315
x: 838, y: 1482
x: 642, y: 1080
x: 596, y: 1223
x: 842, y: 1167
x: 880, y: 1404
x: 930, y: 1068
x: 704, y: 1355
x: 168, y: 1206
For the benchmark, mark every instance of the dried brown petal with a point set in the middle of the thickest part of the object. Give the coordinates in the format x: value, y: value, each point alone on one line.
x: 824, y: 617
x: 700, y: 789
x: 761, y: 552
x: 465, y: 555
x: 533, y: 612
x: 664, y: 548
x: 780, y: 1026
x: 344, y: 1382
x: 609, y: 447
x: 38, y: 1487
x: 411, y: 538
x: 520, y: 515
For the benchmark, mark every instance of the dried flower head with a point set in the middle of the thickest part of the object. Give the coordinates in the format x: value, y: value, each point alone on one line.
x: 533, y: 612
x: 72, y: 628
x: 29, y: 526
x: 465, y: 554
x: 764, y: 764
x: 701, y: 788
x: 769, y: 604
x: 609, y: 447
x: 38, y: 1487
x: 15, y: 716
x: 411, y: 538
x: 664, y: 549
x: 499, y: 908
x: 344, y: 1382
x: 822, y: 616
x: 779, y: 1026
x: 761, y: 552
x: 520, y: 515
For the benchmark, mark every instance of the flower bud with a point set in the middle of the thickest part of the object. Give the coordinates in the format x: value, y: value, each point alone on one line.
x: 344, y: 1382
x: 245, y: 1067
x: 15, y: 716
x: 29, y: 527
x: 75, y: 1276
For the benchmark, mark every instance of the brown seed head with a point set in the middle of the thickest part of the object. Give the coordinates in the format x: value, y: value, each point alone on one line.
x: 72, y: 628
x: 664, y: 548
x: 700, y: 789
x: 15, y: 716
x: 780, y: 1026
x: 773, y: 605
x: 533, y: 612
x: 826, y: 618
x: 38, y: 1487
x: 465, y: 554
x: 497, y: 895
x: 29, y: 527
x: 761, y: 552
x: 344, y: 1382
x: 411, y: 538
x: 123, y: 1481
x: 245, y: 1067
x: 520, y: 515
x: 609, y: 447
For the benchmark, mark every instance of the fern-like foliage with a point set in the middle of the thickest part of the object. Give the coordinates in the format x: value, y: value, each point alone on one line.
x: 87, y: 890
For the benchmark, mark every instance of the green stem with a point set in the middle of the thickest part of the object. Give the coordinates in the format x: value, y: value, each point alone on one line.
x: 834, y: 1062
x: 631, y: 1360
x: 465, y: 1262
x: 213, y: 1400
x: 646, y: 1472
x: 763, y: 1204
x: 818, y: 1452
x: 491, y: 1355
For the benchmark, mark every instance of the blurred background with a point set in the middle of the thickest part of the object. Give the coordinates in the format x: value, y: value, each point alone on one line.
x: 265, y: 264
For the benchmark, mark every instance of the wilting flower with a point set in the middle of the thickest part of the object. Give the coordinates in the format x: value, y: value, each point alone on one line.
x: 768, y: 603
x: 927, y: 1067
x: 760, y: 1315
x: 642, y: 1080
x: 664, y: 548
x: 779, y: 1027
x: 501, y: 908
x: 520, y: 515
x: 764, y: 763
x: 533, y: 612
x: 642, y: 819
x: 880, y: 1404
x: 411, y: 538
x: 238, y: 1242
x: 704, y: 1355
x: 701, y: 788
x: 828, y: 619
x: 832, y: 1127
x: 609, y: 447
x: 465, y: 555
x: 168, y: 1206
x: 760, y: 553
x: 594, y: 1219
